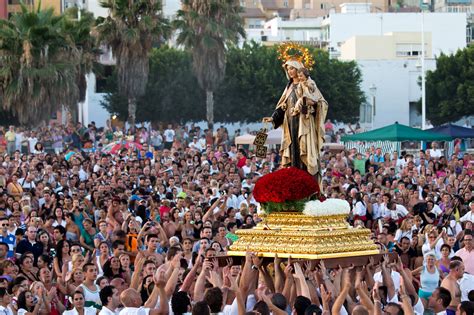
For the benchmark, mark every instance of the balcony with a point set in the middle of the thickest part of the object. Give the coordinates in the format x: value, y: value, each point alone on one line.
x: 462, y: 2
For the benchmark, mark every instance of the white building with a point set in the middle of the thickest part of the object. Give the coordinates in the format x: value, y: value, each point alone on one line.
x: 170, y: 8
x: 448, y: 29
x: 387, y: 47
x: 96, y: 9
x: 305, y: 31
x: 393, y: 87
x: 91, y: 109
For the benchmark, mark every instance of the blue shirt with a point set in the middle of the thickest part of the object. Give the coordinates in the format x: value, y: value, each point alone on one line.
x: 378, y: 158
x: 10, y: 240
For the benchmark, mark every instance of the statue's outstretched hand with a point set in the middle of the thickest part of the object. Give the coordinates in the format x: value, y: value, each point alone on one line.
x: 267, y: 119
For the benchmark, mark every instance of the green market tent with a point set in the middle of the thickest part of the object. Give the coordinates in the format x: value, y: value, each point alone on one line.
x: 396, y: 133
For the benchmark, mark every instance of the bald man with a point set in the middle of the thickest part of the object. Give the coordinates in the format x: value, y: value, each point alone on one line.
x: 450, y: 282
x: 132, y: 300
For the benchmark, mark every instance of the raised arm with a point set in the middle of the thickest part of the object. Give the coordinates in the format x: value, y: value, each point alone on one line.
x: 346, y: 285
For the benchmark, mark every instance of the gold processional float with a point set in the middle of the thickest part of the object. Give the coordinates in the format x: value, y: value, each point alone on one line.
x: 295, y: 225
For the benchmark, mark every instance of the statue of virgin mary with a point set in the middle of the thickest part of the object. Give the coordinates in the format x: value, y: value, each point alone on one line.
x: 303, y: 128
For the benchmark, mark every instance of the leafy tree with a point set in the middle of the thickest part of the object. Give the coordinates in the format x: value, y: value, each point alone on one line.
x: 208, y: 28
x: 339, y: 81
x: 79, y: 32
x: 38, y: 68
x: 253, y: 83
x: 450, y: 88
x: 255, y: 80
x: 172, y: 93
x: 130, y: 31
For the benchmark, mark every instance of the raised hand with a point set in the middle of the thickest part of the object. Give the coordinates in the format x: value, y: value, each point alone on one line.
x: 375, y: 292
x: 257, y: 261
x: 299, y: 272
x: 326, y: 296
x: 214, y: 279
x: 160, y: 279
x: 288, y: 270
x: 234, y: 285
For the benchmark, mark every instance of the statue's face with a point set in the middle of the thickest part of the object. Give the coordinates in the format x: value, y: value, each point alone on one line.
x: 291, y: 72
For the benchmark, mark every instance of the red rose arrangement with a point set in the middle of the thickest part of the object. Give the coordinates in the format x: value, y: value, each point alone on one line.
x: 285, y: 189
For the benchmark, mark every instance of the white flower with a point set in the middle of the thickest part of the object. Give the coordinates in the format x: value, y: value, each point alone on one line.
x: 260, y: 210
x: 331, y: 206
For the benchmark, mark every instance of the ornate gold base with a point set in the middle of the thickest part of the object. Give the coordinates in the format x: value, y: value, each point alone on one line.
x: 298, y: 221
x: 310, y: 256
x: 301, y: 236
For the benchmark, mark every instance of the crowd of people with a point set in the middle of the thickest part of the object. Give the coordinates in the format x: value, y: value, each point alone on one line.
x: 139, y: 230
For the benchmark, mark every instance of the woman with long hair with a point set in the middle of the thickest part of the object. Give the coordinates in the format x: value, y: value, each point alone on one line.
x: 221, y: 238
x: 27, y: 304
x: 146, y: 287
x: 59, y: 218
x: 27, y: 269
x: 8, y: 269
x: 72, y: 229
x: 104, y: 255
x: 405, y: 230
x: 45, y: 241
x: 62, y: 257
x: 112, y: 268
x: 73, y: 280
x: 187, y: 230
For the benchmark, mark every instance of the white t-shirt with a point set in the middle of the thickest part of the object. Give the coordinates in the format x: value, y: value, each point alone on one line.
x: 467, y: 217
x: 399, y: 212
x: 466, y: 284
x: 135, y: 311
x: 435, y: 153
x: 87, y: 311
x: 437, y: 249
x: 106, y: 311
x: 169, y: 135
x: 5, y: 310
x: 419, y: 308
x: 395, y: 277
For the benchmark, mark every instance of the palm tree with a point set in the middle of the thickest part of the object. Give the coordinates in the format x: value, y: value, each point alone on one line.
x: 130, y: 30
x: 207, y: 28
x: 37, y: 65
x: 78, y: 30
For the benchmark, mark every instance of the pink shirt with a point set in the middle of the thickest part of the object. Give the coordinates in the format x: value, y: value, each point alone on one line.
x: 468, y: 259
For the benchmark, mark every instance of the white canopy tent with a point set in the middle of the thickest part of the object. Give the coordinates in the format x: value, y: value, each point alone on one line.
x: 274, y: 137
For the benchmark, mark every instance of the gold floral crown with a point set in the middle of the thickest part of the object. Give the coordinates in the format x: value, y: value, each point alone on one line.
x: 293, y: 51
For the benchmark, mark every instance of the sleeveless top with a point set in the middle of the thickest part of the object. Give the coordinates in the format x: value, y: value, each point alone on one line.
x: 429, y: 281
x: 92, y: 298
x: 100, y: 271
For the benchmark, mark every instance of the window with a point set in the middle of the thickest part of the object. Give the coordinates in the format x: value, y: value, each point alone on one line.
x: 409, y: 50
x: 285, y: 3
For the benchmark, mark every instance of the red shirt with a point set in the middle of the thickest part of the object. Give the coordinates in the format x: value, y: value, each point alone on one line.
x: 241, y: 162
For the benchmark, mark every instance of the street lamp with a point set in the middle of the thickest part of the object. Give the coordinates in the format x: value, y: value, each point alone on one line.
x: 423, y: 75
x: 373, y: 91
